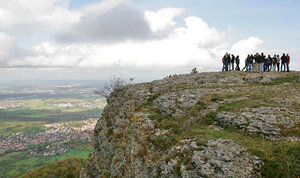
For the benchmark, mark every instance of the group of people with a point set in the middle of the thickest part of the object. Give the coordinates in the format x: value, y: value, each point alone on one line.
x: 257, y: 63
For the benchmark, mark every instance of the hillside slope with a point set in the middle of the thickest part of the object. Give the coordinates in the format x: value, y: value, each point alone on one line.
x: 222, y: 124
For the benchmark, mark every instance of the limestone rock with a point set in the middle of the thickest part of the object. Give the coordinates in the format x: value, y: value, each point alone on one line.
x: 224, y: 158
x: 177, y: 103
x: 266, y: 121
x: 254, y: 78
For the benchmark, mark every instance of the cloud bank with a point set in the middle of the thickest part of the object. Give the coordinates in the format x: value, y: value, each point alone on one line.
x: 109, y: 21
x: 113, y: 34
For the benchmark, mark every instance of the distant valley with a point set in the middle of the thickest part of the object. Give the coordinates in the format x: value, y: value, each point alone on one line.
x: 44, y: 122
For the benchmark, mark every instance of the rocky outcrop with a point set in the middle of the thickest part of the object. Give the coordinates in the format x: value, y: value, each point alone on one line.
x: 266, y: 121
x: 261, y: 77
x: 224, y: 158
x: 165, y: 128
x: 178, y: 103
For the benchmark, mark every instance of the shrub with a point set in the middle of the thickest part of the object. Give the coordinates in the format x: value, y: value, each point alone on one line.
x: 67, y: 168
x: 117, y: 82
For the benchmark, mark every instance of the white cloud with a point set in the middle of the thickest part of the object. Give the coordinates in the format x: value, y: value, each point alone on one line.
x: 162, y: 20
x: 115, y: 33
x: 247, y: 46
x: 195, y: 44
x: 33, y: 16
x: 108, y: 21
x: 8, y: 47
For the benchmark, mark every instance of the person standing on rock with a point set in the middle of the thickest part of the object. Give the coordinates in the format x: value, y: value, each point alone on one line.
x: 249, y: 65
x: 237, y: 60
x: 223, y: 62
x: 256, y: 65
x: 232, y: 62
x: 226, y: 61
x: 252, y: 62
x: 278, y: 63
x: 274, y: 61
x: 246, y: 64
x: 269, y: 63
x: 261, y: 62
x: 229, y: 62
x: 283, y: 61
x: 288, y: 62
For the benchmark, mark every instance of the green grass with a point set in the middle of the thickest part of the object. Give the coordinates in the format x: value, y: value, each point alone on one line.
x: 17, y: 163
x: 283, y: 162
x: 32, y: 161
x: 283, y: 80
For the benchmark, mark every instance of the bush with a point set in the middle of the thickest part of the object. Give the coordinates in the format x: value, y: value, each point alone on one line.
x: 117, y: 82
x: 67, y: 168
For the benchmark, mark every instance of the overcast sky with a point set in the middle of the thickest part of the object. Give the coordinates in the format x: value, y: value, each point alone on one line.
x: 94, y: 39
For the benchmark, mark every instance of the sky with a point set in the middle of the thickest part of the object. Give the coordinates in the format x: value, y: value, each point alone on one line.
x: 96, y: 39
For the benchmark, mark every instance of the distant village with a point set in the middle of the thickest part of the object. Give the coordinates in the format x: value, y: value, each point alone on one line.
x: 53, y: 141
x: 82, y: 105
x: 12, y: 105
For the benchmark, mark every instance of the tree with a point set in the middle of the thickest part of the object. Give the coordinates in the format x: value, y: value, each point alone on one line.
x: 116, y: 82
x: 194, y: 71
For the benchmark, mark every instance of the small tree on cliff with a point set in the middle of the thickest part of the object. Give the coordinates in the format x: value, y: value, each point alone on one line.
x: 194, y: 71
x: 116, y: 82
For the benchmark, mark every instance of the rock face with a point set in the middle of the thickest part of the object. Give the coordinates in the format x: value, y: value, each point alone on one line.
x: 173, y: 127
x: 224, y: 158
x: 266, y: 121
x: 177, y: 103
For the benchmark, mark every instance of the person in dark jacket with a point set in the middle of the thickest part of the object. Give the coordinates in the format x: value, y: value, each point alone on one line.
x: 237, y: 61
x: 256, y: 64
x: 232, y: 61
x: 261, y: 59
x: 226, y: 61
x: 283, y: 61
x: 223, y: 62
x: 249, y: 64
x: 288, y: 62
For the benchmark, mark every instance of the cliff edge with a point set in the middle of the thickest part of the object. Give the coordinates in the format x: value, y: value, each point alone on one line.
x: 217, y: 124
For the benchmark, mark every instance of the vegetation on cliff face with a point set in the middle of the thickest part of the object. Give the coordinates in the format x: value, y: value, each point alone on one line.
x: 63, y: 169
x: 169, y: 127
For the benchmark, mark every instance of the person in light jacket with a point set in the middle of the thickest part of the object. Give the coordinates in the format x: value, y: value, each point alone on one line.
x: 262, y: 59
x: 274, y: 62
x: 278, y: 63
